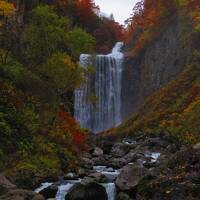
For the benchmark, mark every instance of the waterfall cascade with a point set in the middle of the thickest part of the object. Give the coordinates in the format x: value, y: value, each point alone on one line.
x: 104, y: 87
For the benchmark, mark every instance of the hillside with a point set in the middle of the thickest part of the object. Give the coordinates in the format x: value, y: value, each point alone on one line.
x: 161, y: 82
x: 40, y: 46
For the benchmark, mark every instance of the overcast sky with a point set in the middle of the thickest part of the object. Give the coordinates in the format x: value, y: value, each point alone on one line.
x: 120, y: 8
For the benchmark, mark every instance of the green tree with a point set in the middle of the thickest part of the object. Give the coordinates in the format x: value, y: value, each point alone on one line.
x: 61, y: 73
x: 45, y: 34
x: 80, y: 42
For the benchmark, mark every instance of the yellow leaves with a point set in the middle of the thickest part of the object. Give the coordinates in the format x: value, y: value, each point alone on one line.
x: 6, y: 9
x: 68, y: 62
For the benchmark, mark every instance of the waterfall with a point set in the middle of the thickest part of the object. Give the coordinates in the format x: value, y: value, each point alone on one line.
x: 97, y: 105
x: 110, y: 190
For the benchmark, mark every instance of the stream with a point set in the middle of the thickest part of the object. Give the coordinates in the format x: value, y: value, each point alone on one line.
x: 66, y: 186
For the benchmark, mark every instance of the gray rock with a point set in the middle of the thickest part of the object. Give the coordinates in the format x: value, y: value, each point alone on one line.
x: 119, y: 149
x: 94, y: 177
x: 130, y: 157
x: 116, y: 163
x: 130, y: 176
x: 70, y: 176
x: 49, y: 192
x: 87, y: 191
x: 97, y: 152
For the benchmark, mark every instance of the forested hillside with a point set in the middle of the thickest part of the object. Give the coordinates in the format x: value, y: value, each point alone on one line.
x: 163, y: 60
x: 40, y: 46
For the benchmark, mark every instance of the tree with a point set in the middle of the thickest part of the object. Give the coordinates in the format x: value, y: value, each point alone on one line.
x: 61, y: 73
x: 45, y: 35
x: 80, y: 42
x: 6, y: 11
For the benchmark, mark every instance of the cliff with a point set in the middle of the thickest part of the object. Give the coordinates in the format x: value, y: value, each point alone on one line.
x: 159, y: 63
x: 161, y: 84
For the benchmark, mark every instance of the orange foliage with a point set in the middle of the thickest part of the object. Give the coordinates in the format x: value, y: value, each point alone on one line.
x: 148, y: 18
x: 68, y: 122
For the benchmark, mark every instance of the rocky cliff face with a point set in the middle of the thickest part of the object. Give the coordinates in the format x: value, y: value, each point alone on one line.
x: 157, y: 65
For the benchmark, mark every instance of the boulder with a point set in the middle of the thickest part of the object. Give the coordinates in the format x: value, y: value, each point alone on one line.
x: 70, y: 176
x: 116, y: 163
x: 88, y: 191
x: 130, y: 157
x: 97, y: 152
x: 49, y: 192
x: 94, y: 177
x: 119, y: 149
x: 98, y: 177
x: 130, y: 176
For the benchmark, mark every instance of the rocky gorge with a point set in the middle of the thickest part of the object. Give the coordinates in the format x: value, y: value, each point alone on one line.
x: 145, y: 167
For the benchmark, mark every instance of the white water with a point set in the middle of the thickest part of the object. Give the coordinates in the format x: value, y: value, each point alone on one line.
x: 105, y: 87
x: 42, y: 187
x: 153, y: 156
x: 111, y: 190
x: 110, y: 173
x: 63, y: 190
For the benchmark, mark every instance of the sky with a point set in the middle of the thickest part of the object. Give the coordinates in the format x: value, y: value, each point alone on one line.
x: 120, y: 8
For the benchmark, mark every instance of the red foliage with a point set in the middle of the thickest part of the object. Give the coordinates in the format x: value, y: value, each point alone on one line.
x: 68, y: 122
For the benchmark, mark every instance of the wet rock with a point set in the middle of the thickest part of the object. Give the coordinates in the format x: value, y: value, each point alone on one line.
x: 98, y: 177
x: 94, y: 177
x: 119, y: 149
x: 130, y: 176
x: 50, y: 192
x: 88, y: 191
x: 70, y: 176
x: 97, y: 152
x: 129, y: 141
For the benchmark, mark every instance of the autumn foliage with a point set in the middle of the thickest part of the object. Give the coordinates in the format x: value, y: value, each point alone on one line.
x: 85, y: 14
x: 150, y: 17
x: 68, y: 123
